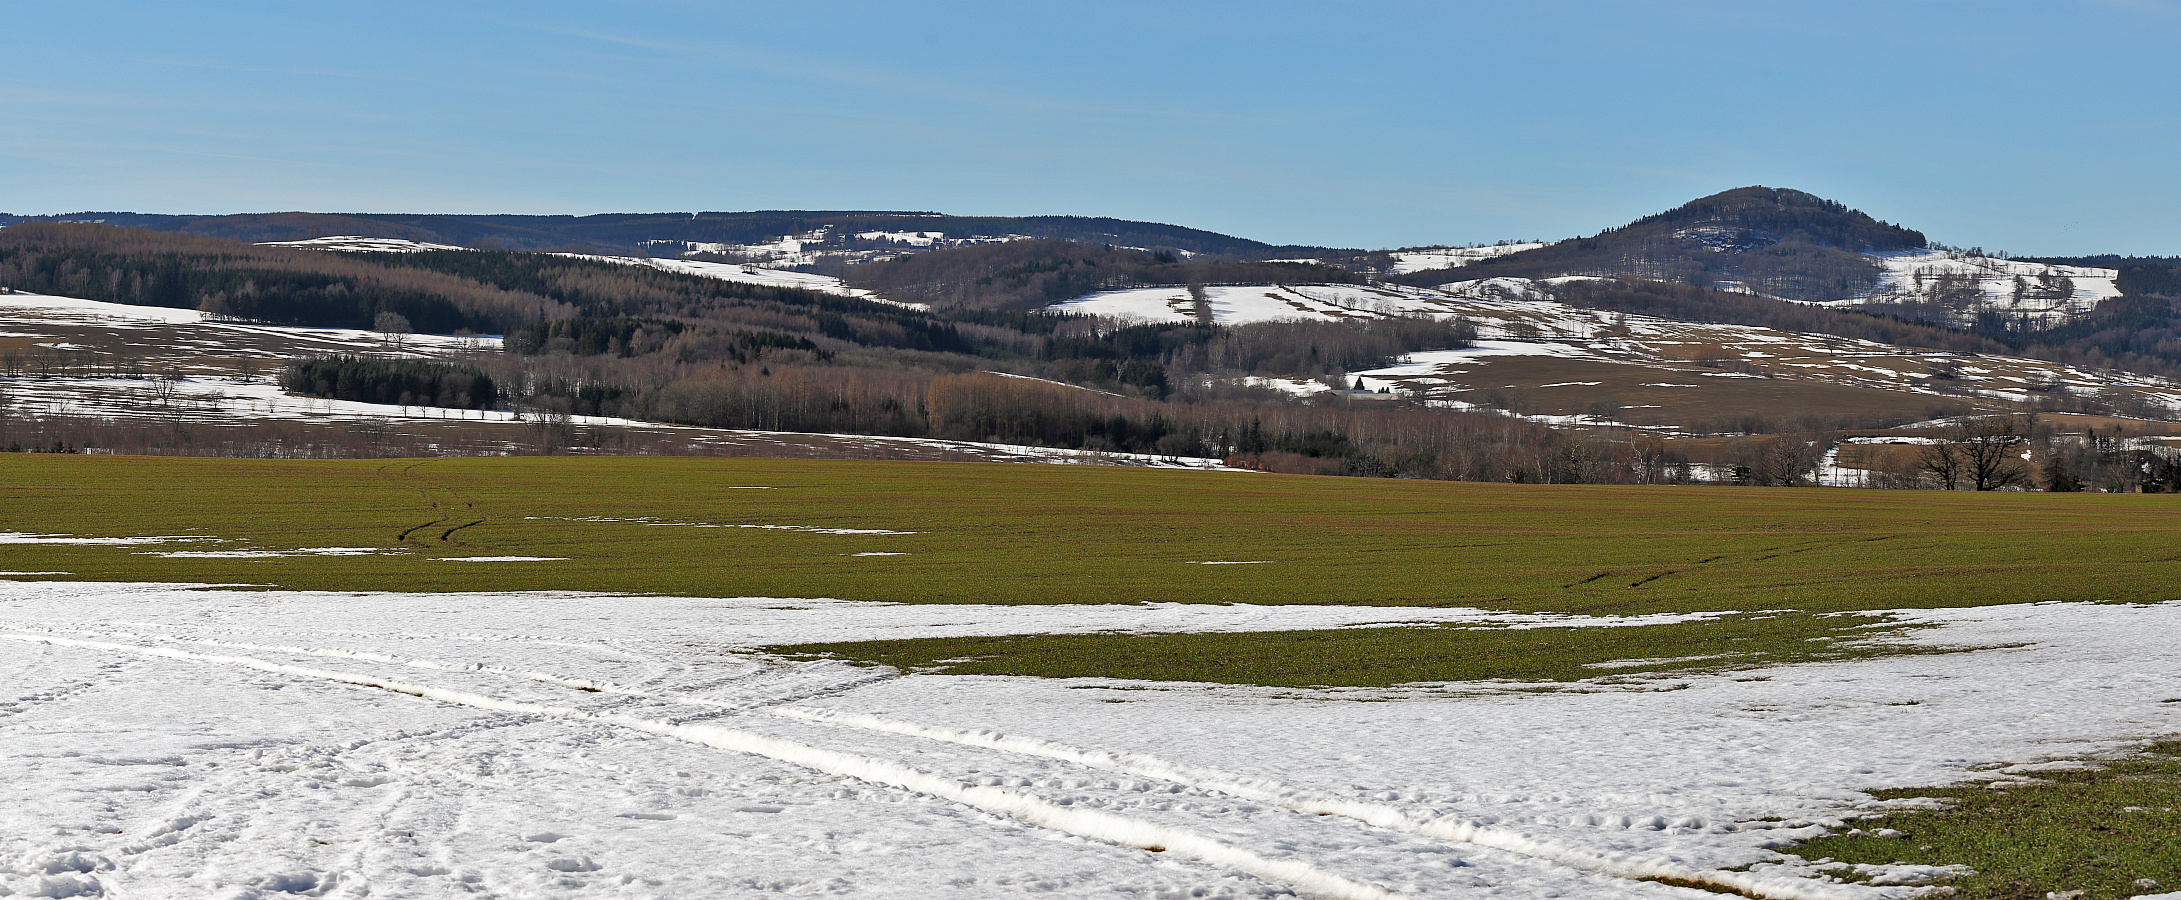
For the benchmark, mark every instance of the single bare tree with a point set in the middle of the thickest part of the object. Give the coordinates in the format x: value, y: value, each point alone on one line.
x: 1991, y: 450
x: 391, y: 326
x: 1943, y: 461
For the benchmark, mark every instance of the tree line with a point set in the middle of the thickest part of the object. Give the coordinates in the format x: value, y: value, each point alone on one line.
x: 235, y: 280
x: 393, y: 382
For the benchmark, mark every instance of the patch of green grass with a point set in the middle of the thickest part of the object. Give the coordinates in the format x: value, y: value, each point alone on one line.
x: 1382, y: 657
x: 996, y: 533
x: 2095, y: 831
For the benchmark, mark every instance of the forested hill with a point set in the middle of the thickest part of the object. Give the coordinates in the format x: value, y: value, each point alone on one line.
x: 445, y: 291
x: 1028, y: 275
x: 631, y: 233
x: 1781, y: 242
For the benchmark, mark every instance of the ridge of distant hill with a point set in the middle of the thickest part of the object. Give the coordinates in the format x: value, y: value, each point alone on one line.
x: 1774, y: 241
x: 779, y: 237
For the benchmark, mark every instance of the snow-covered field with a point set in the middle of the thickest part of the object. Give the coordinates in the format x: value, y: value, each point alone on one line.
x: 169, y: 742
x: 823, y: 245
x: 1522, y: 317
x: 59, y: 322
x: 1968, y: 282
x: 350, y: 243
x: 1494, y: 300
x: 749, y: 275
x: 2038, y: 290
x: 723, y: 271
x: 1406, y: 261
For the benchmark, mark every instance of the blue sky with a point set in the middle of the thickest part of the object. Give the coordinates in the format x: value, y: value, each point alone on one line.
x: 2047, y: 127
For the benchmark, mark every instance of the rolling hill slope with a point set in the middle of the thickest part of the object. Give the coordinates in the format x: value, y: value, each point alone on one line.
x: 782, y: 238
x: 1796, y: 246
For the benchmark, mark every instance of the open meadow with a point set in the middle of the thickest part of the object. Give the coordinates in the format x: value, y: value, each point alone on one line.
x: 516, y: 675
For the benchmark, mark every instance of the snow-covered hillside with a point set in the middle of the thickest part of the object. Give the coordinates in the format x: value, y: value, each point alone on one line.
x: 1958, y: 284
x: 1406, y: 261
x: 1244, y: 304
x: 747, y: 274
x: 1966, y: 285
x: 1523, y: 312
x: 825, y: 245
x: 356, y: 244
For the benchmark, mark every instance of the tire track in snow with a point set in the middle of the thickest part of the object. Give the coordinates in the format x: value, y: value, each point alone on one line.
x: 1603, y: 862
x: 1612, y: 863
x: 481, y: 638
x: 1304, y: 878
x: 586, y: 685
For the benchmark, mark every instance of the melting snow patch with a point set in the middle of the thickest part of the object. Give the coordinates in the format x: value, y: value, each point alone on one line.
x: 358, y: 244
x: 647, y: 520
x: 611, y: 703
x: 1659, y: 660
x: 502, y: 558
x: 19, y: 537
x: 265, y: 554
x: 1299, y: 387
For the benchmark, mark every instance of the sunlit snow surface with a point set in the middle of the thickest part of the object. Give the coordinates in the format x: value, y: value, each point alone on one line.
x: 1518, y: 316
x: 164, y: 742
x: 750, y: 275
x: 1406, y: 261
x: 20, y: 312
x: 2001, y: 285
x: 349, y: 243
x: 723, y: 271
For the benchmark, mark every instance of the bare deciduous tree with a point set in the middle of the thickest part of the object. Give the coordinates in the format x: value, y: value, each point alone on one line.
x: 1992, y: 451
x: 1942, y: 460
x: 1985, y: 452
x: 1786, y: 461
x: 391, y: 326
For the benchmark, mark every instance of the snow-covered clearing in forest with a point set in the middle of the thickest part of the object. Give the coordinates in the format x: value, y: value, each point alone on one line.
x: 166, y: 742
x: 746, y: 274
x: 1406, y: 261
x: 825, y: 284
x: 351, y: 243
x: 1295, y: 387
